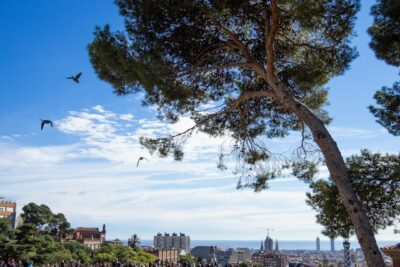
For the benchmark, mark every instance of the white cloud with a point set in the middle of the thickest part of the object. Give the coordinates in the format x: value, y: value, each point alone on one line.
x: 95, y: 181
x: 347, y: 132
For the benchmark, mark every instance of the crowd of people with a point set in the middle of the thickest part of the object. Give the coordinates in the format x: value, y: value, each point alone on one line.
x: 29, y: 263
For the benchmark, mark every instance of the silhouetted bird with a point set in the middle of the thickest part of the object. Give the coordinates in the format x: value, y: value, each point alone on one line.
x: 45, y: 122
x: 140, y: 158
x: 75, y: 78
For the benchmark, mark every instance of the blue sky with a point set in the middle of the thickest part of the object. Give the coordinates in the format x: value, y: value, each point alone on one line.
x: 85, y: 167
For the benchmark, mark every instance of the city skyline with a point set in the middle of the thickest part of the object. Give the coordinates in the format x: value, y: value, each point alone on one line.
x: 85, y: 167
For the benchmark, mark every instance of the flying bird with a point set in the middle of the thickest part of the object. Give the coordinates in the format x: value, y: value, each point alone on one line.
x: 75, y: 78
x: 44, y: 122
x: 141, y: 158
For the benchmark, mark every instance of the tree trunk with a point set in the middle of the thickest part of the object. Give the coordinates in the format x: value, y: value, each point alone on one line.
x: 338, y: 171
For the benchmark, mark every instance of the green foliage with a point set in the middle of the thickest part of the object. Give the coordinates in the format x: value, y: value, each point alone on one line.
x: 111, y: 252
x: 180, y: 55
x: 304, y: 170
x: 34, y: 238
x: 36, y: 215
x: 79, y: 252
x: 388, y: 114
x: 187, y: 260
x: 8, y: 245
x: 42, y: 217
x: 376, y: 181
x: 385, y: 31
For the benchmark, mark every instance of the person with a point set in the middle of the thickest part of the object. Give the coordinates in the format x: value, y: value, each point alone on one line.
x: 11, y: 263
x: 29, y: 263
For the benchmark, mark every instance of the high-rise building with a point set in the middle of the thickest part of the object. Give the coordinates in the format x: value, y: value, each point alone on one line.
x: 180, y: 242
x: 318, y: 243
x: 346, y: 249
x: 8, y: 210
x: 276, y: 245
x: 332, y: 244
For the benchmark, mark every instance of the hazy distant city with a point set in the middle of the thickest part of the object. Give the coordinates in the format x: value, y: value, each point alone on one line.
x: 171, y: 247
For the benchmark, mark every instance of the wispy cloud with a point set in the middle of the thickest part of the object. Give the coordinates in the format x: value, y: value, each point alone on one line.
x: 95, y: 180
x: 347, y: 132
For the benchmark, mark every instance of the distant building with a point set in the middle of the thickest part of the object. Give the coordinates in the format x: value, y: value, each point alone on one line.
x: 276, y: 246
x: 170, y: 255
x: 274, y: 260
x: 332, y: 244
x: 394, y: 253
x: 228, y: 257
x: 180, y: 242
x: 201, y: 252
x: 258, y: 257
x: 8, y: 209
x: 318, y: 243
x: 90, y: 237
x: 243, y: 255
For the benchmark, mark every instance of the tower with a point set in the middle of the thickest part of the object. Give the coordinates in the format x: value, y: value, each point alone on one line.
x: 332, y: 244
x: 103, y: 234
x: 276, y: 245
x: 212, y: 256
x: 268, y: 244
x: 347, y: 259
x: 318, y: 243
x: 262, y: 246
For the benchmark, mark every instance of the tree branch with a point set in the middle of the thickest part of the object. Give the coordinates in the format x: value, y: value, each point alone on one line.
x: 233, y: 105
x: 216, y: 47
x: 219, y: 67
x: 243, y: 48
x: 232, y: 36
x: 271, y: 40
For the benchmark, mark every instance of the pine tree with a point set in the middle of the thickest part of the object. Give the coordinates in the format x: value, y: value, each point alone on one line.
x: 385, y: 33
x: 263, y: 64
x: 376, y: 181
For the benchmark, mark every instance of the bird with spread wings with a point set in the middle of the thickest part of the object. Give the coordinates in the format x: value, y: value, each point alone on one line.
x: 75, y: 78
x: 44, y: 122
x: 141, y: 158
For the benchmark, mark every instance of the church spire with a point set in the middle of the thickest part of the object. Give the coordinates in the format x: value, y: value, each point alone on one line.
x: 262, y: 246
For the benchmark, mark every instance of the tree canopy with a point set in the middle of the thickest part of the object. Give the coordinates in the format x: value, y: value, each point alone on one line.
x: 42, y: 217
x: 385, y: 31
x: 376, y: 180
x: 388, y: 114
x: 183, y: 54
x: 125, y: 254
x: 35, y: 239
x: 259, y: 66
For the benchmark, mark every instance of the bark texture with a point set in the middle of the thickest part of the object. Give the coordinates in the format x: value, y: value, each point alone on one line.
x: 338, y: 171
